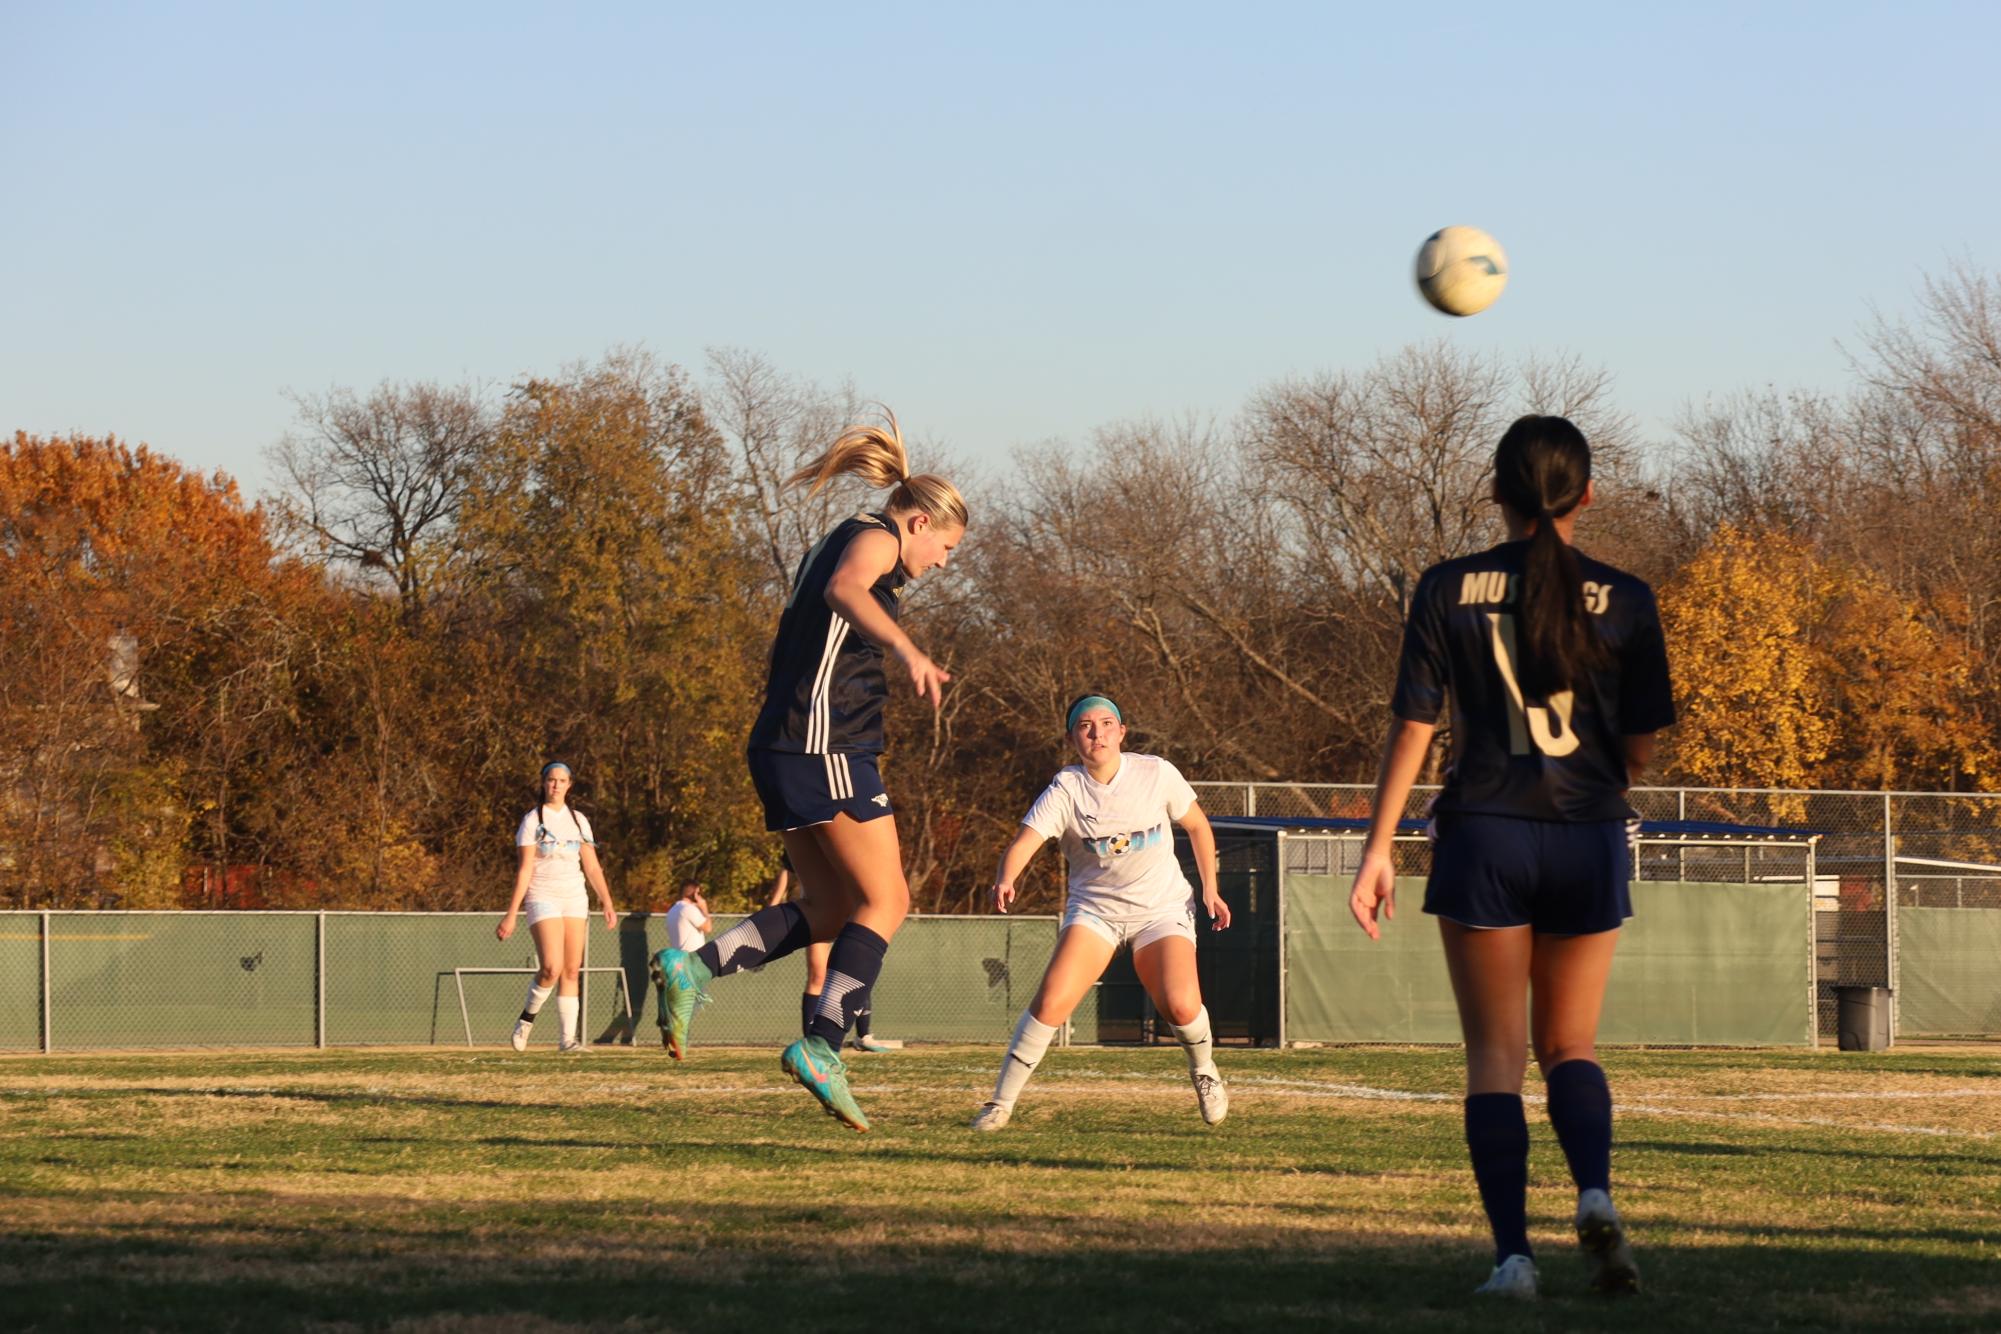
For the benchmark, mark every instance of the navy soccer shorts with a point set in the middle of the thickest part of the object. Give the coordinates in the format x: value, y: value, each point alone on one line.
x: 1560, y: 879
x: 800, y: 790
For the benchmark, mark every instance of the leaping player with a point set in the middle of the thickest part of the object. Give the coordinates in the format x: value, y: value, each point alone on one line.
x: 813, y: 756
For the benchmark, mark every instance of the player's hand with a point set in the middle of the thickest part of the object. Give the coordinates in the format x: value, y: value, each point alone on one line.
x: 1219, y: 912
x: 1003, y: 895
x: 926, y: 675
x: 1375, y: 891
x: 610, y: 918
x: 506, y: 927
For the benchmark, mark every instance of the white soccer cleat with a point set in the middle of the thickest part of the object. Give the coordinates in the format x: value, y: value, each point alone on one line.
x: 572, y: 1046
x: 1514, y: 1277
x: 522, y: 1028
x: 876, y: 1044
x: 1210, y: 1094
x: 1603, y: 1238
x: 992, y: 1116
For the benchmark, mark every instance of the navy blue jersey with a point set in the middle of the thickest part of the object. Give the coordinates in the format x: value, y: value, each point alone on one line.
x: 827, y: 688
x: 1560, y: 758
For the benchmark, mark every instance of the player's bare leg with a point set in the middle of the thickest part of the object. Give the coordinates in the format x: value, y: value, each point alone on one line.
x: 1079, y: 961
x: 863, y: 861
x: 1569, y: 975
x: 569, y: 996
x: 1490, y: 980
x: 1166, y: 969
x: 548, y: 938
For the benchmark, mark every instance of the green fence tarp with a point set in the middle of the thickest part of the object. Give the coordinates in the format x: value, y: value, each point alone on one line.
x: 172, y: 979
x: 20, y: 981
x: 1711, y: 964
x: 254, y: 979
x: 1948, y: 972
x: 391, y: 979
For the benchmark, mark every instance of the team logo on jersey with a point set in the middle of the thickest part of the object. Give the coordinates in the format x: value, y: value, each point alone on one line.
x: 1120, y: 845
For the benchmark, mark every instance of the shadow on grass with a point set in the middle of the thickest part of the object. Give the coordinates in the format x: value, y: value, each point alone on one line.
x: 853, y: 1265
x: 1962, y: 1151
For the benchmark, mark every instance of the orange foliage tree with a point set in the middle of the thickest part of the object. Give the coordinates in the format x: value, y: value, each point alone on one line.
x: 133, y: 584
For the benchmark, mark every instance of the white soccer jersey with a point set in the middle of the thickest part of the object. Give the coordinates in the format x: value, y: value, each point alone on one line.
x: 558, y: 837
x: 685, y: 924
x: 1118, y: 837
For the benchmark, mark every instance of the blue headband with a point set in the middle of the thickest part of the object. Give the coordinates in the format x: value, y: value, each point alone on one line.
x: 553, y: 765
x: 1091, y: 702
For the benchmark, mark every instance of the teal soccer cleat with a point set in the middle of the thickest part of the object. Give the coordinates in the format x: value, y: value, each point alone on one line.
x: 820, y: 1072
x: 678, y: 976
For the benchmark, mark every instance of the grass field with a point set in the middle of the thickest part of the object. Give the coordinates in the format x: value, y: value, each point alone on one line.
x: 482, y: 1190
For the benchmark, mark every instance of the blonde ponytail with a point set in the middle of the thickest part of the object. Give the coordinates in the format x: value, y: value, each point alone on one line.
x: 877, y: 456
x: 873, y: 453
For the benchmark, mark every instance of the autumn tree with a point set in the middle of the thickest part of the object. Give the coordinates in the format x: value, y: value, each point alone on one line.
x: 141, y: 660
x: 1798, y: 670
x: 618, y: 622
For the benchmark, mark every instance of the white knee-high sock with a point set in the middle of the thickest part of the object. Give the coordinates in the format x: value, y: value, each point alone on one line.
x: 1194, y: 1038
x: 537, y: 996
x: 1024, y: 1053
x: 566, y: 1015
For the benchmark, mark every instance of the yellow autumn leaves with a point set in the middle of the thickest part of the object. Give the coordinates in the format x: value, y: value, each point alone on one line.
x: 1798, y: 670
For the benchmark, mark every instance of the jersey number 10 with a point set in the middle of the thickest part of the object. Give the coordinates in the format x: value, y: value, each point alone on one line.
x: 1529, y: 722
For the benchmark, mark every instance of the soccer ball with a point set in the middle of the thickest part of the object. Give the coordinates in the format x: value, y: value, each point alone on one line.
x: 1461, y: 270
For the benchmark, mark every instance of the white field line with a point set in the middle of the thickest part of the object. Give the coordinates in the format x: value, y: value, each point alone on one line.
x: 1296, y: 1088
x: 1653, y: 1107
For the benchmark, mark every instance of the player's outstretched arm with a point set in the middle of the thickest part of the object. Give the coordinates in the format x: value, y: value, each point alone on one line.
x: 1013, y: 862
x: 868, y: 558
x: 1202, y: 842
x: 1376, y: 881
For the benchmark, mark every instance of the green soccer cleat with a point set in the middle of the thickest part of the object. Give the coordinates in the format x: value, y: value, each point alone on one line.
x: 679, y: 977
x: 820, y: 1072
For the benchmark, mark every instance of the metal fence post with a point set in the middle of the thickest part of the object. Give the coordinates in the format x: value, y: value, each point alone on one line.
x: 1812, y: 947
x: 1681, y: 851
x: 1890, y: 911
x: 1280, y: 886
x: 583, y: 989
x: 1250, y: 799
x: 320, y: 979
x: 47, y: 1024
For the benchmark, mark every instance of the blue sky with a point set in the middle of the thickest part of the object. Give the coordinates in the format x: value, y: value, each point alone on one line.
x: 1012, y: 223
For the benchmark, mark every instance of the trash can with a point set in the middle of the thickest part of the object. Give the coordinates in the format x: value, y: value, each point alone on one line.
x: 1863, y: 1018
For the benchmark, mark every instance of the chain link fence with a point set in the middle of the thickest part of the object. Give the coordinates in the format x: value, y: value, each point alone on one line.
x: 96, y: 980
x: 1907, y: 890
x: 1907, y: 895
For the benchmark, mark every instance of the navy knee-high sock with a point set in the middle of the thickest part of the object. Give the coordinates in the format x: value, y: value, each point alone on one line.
x: 1497, y: 1134
x: 1580, y: 1108
x: 809, y: 1001
x: 852, y: 968
x: 767, y: 934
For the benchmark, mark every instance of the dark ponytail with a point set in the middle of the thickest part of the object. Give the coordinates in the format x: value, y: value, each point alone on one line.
x: 1541, y: 468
